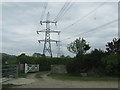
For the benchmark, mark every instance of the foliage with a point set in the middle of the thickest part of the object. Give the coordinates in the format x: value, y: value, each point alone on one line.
x: 62, y: 56
x: 38, y: 75
x: 84, y: 63
x: 9, y: 85
x: 112, y: 62
x: 93, y: 59
x: 9, y: 59
x: 22, y: 58
x: 73, y: 68
x: 22, y: 75
x: 114, y: 46
x: 79, y: 46
x: 79, y: 78
x: 45, y: 63
x: 87, y: 62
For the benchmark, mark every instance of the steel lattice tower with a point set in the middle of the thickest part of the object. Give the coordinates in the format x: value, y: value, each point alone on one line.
x: 47, y: 41
x: 59, y: 46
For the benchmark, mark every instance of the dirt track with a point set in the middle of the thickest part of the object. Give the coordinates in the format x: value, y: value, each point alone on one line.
x: 47, y: 82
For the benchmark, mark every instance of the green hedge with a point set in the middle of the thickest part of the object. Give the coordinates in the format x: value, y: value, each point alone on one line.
x: 45, y: 63
x: 105, y: 64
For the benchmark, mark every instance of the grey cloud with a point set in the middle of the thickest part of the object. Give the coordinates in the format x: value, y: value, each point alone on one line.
x: 21, y: 21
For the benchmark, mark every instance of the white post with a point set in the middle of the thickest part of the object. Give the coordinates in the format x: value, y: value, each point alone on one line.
x: 26, y: 66
x: 38, y: 67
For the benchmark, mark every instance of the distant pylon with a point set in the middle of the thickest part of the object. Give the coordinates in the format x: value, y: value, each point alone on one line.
x: 59, y: 46
x: 47, y: 41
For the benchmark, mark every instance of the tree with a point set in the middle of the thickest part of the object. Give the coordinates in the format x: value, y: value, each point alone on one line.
x: 112, y: 62
x: 92, y: 61
x: 38, y: 55
x: 62, y: 56
x: 79, y: 46
x: 10, y: 59
x: 22, y: 58
x: 114, y: 46
x: 73, y: 68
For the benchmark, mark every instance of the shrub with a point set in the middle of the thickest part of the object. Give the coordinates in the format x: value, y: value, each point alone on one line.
x: 9, y: 59
x: 87, y: 62
x: 111, y: 64
x: 93, y: 60
x: 74, y: 67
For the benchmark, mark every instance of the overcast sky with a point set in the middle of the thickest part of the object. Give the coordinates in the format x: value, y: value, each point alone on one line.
x: 20, y: 21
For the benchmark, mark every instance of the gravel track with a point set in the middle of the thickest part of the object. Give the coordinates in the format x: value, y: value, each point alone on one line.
x: 48, y: 82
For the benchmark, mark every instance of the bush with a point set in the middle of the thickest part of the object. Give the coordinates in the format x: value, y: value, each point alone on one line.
x: 9, y: 59
x: 93, y: 61
x: 87, y: 62
x: 73, y: 67
x: 111, y: 64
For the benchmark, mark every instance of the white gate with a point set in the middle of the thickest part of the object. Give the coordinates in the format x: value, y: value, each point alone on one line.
x: 31, y: 68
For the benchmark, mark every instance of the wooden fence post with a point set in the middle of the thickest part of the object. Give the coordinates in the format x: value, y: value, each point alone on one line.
x: 21, y: 68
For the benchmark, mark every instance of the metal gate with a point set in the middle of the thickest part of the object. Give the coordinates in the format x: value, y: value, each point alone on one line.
x: 9, y: 71
x: 31, y: 68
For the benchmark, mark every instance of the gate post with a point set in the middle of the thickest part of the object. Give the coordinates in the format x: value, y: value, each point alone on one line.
x: 38, y: 67
x: 26, y: 66
x: 21, y: 68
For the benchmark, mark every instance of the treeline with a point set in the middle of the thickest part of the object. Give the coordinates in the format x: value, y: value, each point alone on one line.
x: 97, y: 63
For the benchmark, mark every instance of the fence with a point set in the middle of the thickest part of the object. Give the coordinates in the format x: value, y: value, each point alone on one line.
x: 9, y: 70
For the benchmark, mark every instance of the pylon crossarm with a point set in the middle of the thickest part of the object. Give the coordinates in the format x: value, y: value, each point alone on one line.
x: 50, y: 41
x: 41, y: 31
x: 48, y: 22
x: 52, y: 31
x: 55, y: 31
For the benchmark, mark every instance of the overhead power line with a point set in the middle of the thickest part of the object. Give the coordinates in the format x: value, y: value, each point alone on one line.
x: 67, y: 9
x: 43, y: 11
x: 94, y: 29
x: 63, y: 10
x: 84, y: 16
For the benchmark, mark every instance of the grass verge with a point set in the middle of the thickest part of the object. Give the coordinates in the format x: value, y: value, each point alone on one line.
x: 8, y: 85
x: 22, y: 75
x: 79, y: 78
x: 38, y: 75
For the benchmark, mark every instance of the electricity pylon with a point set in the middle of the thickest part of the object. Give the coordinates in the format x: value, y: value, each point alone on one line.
x: 47, y: 41
x: 59, y: 47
